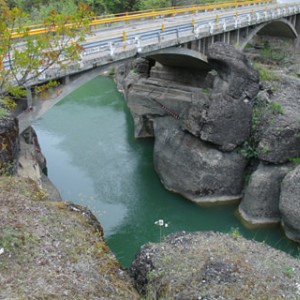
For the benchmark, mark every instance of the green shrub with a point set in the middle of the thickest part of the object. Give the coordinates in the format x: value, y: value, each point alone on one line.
x: 248, y: 151
x: 295, y: 160
x: 277, y: 108
x: 265, y: 74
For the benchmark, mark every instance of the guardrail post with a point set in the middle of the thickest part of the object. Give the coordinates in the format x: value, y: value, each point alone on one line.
x: 224, y: 25
x: 211, y: 27
x: 162, y: 27
x: 112, y: 49
x: 138, y: 44
x: 159, y: 37
x: 177, y: 35
x: 257, y: 16
x: 124, y: 36
x: 197, y: 31
x: 274, y: 15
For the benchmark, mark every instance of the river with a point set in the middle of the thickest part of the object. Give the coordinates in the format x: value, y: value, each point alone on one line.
x: 94, y: 160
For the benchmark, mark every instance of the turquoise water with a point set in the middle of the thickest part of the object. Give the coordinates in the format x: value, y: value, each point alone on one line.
x: 94, y: 160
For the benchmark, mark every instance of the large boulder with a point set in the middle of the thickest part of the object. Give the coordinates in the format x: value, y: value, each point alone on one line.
x: 279, y: 139
x: 193, y: 168
x: 260, y: 203
x: 207, y: 265
x: 229, y: 116
x: 9, y: 145
x: 149, y: 98
x: 289, y: 204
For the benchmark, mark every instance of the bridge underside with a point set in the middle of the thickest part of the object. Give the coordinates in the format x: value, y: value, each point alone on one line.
x: 182, y: 58
x: 278, y: 28
x: 192, y: 55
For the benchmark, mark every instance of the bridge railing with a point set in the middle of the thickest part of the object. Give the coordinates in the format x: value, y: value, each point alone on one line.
x: 146, y: 14
x: 103, y: 48
x: 104, y: 52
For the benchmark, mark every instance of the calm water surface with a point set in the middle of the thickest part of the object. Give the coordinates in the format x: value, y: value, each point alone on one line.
x: 94, y: 161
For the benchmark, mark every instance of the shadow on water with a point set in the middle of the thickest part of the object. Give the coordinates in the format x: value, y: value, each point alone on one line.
x: 95, y: 161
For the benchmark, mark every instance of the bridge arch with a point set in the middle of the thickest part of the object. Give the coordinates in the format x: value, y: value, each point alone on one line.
x: 181, y: 57
x: 281, y: 27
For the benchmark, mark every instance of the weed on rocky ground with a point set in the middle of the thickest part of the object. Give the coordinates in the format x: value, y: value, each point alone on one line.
x: 53, y: 250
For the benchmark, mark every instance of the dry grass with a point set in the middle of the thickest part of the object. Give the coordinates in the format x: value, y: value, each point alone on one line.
x: 53, y: 250
x: 218, y: 266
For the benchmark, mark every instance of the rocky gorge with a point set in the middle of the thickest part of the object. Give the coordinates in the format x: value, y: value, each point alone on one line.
x: 232, y: 136
x: 186, y: 118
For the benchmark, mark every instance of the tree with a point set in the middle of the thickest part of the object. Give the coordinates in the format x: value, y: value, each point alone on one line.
x: 25, y: 57
x: 149, y: 4
x: 119, y: 6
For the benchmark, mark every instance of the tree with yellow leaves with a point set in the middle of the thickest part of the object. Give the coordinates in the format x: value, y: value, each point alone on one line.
x: 26, y: 55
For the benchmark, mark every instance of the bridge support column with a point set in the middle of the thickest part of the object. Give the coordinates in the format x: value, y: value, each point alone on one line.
x: 29, y: 98
x: 66, y: 80
x: 228, y: 37
x: 202, y: 45
x: 294, y: 20
x: 297, y: 23
x: 199, y: 45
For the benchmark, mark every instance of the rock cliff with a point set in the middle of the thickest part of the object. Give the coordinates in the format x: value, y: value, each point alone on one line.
x: 213, y: 133
x: 197, y: 124
x: 9, y: 145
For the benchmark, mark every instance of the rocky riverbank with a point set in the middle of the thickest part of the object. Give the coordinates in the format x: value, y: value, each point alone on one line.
x: 55, y: 250
x: 213, y: 266
x: 50, y: 249
x: 232, y: 135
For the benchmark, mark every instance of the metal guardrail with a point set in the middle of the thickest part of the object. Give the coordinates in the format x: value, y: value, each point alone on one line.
x: 139, y: 15
x: 139, y: 40
x: 104, y: 52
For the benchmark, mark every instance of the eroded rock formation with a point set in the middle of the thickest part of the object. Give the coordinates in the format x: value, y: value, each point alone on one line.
x: 280, y: 135
x: 260, y: 203
x: 205, y: 128
x: 198, y: 120
x: 193, y: 168
x: 9, y: 145
x: 289, y: 204
x: 228, y: 119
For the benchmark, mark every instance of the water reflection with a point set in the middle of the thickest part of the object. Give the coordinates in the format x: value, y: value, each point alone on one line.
x: 95, y: 161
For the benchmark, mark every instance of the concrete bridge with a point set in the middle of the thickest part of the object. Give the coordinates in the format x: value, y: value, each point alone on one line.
x: 168, y: 35
x: 177, y: 36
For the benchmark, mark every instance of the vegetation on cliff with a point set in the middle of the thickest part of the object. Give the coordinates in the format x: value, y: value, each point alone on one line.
x: 207, y: 265
x: 53, y: 250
